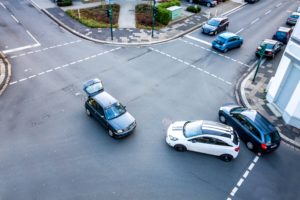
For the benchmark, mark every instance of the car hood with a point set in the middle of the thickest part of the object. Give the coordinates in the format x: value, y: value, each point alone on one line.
x: 209, y: 27
x: 228, y: 107
x: 176, y: 129
x: 122, y: 122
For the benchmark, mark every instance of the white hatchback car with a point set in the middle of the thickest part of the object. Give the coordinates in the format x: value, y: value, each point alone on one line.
x: 205, y: 137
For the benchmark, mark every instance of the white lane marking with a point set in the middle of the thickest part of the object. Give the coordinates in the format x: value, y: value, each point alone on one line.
x: 44, y: 49
x: 269, y: 11
x: 190, y: 65
x: 240, y: 182
x: 3, y: 6
x: 254, y: 21
x: 239, y: 31
x: 198, y: 40
x: 37, y: 42
x: 53, y: 69
x: 278, y: 5
x: 15, y: 18
x: 219, y: 54
x: 20, y: 48
x: 245, y: 175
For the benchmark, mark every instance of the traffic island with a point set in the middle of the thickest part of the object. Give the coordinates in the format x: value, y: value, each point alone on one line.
x: 5, y: 72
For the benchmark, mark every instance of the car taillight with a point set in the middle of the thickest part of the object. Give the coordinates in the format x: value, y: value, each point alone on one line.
x: 264, y: 146
x: 237, y: 149
x: 270, y: 53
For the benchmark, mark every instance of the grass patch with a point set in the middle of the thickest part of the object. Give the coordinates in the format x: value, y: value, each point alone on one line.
x: 96, y: 17
x: 143, y: 17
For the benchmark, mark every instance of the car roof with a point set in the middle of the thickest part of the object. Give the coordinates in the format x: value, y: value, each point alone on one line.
x: 295, y: 13
x: 259, y: 121
x: 216, y: 129
x: 227, y: 35
x: 219, y: 18
x: 104, y: 99
x: 284, y: 29
x: 269, y: 41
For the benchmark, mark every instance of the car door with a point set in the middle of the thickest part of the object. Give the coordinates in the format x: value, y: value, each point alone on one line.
x: 231, y: 42
x: 97, y: 111
x: 254, y: 134
x: 202, y: 144
x: 236, y: 121
x: 277, y: 47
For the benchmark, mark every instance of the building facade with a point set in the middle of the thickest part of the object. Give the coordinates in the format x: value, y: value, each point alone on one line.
x: 284, y: 88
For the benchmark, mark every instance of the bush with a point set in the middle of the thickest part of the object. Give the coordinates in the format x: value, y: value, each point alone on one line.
x: 64, y: 2
x: 169, y: 4
x: 163, y: 15
x: 194, y: 9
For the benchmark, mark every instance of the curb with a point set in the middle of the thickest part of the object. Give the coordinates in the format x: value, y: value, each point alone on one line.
x: 7, y: 73
x: 242, y: 100
x: 132, y: 44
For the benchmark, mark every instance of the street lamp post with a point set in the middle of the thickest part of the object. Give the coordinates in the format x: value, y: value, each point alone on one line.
x: 154, y: 12
x: 261, y: 53
x: 109, y: 14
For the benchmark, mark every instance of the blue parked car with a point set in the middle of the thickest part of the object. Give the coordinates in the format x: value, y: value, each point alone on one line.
x: 227, y: 41
x: 254, y: 129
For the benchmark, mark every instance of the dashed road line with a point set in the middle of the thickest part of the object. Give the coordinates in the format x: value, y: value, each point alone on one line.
x: 190, y: 65
x: 278, y: 5
x: 268, y: 12
x: 254, y: 21
x: 3, y: 6
x: 217, y: 53
x: 15, y: 18
x: 45, y: 49
x: 57, y: 68
x: 239, y: 31
x: 242, y: 180
x: 197, y: 39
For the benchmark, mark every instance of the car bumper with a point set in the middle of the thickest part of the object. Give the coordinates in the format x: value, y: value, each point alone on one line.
x: 291, y: 23
x: 219, y: 48
x: 125, y: 133
x: 208, y: 32
x: 170, y: 142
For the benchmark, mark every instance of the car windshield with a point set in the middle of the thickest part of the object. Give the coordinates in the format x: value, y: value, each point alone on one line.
x: 94, y: 88
x: 220, y: 40
x: 238, y: 110
x: 114, y: 111
x: 280, y: 34
x: 213, y: 22
x: 294, y: 16
x: 271, y: 137
x: 192, y: 129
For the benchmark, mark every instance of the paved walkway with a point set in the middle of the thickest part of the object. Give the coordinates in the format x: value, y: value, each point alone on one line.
x: 253, y: 95
x: 127, y: 14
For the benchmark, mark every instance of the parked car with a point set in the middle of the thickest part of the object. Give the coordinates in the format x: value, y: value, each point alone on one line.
x: 205, y: 137
x: 298, y: 10
x: 215, y: 25
x: 251, y: 1
x: 226, y: 41
x: 272, y: 48
x: 107, y: 110
x: 292, y: 19
x: 283, y: 34
x: 254, y: 129
x: 208, y: 3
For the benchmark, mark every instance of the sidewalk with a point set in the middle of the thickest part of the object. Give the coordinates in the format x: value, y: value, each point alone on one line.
x: 253, y: 95
x: 133, y: 36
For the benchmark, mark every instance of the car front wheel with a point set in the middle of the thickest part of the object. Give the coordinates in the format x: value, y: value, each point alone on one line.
x: 88, y: 112
x: 208, y: 5
x: 110, y: 133
x: 226, y: 157
x: 222, y: 118
x: 180, y: 147
x: 250, y: 145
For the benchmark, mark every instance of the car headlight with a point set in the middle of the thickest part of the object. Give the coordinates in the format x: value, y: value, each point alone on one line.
x: 120, y: 131
x: 173, y: 138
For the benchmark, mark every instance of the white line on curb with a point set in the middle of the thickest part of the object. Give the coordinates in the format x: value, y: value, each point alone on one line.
x: 15, y: 19
x: 2, y: 5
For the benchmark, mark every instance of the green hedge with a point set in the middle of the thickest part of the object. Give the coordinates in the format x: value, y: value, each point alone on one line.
x: 163, y: 15
x: 64, y: 2
x: 194, y: 9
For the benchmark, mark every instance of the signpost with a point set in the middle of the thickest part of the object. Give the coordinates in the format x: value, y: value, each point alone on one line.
x: 261, y: 53
x: 109, y: 14
x: 154, y: 13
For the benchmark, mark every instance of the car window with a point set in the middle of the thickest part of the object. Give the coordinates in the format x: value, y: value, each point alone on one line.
x: 220, y: 142
x: 253, y: 130
x: 191, y: 129
x: 114, y: 111
x: 271, y: 137
x: 231, y: 39
x: 281, y: 34
x: 220, y: 40
x: 213, y: 22
x: 240, y: 118
x: 93, y: 103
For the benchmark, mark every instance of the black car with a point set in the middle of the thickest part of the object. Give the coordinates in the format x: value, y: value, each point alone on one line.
x: 272, y: 47
x: 251, y: 1
x: 215, y: 25
x: 107, y: 110
x: 283, y: 34
x: 208, y: 3
x: 254, y: 129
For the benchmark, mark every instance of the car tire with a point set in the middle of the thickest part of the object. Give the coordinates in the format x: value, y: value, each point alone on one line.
x: 240, y: 45
x: 180, y: 147
x: 226, y: 157
x: 110, y: 133
x: 88, y: 112
x: 250, y: 145
x: 216, y: 32
x: 222, y: 118
x: 208, y: 4
x: 225, y: 50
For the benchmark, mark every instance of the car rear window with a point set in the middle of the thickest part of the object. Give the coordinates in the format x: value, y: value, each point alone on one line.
x: 281, y: 34
x: 268, y: 45
x: 213, y: 22
x: 235, y: 139
x: 220, y: 40
x: 271, y: 137
x: 294, y: 16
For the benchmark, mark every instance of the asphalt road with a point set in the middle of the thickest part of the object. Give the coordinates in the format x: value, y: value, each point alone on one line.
x: 50, y: 149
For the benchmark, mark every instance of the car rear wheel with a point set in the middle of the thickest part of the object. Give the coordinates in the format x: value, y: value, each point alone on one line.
x: 225, y: 50
x: 180, y: 147
x: 110, y: 133
x: 216, y: 32
x: 222, y: 118
x: 249, y: 145
x: 226, y: 157
x: 208, y: 5
x: 88, y: 112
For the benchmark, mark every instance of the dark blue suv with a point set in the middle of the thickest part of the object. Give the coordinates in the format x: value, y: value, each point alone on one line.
x: 255, y: 130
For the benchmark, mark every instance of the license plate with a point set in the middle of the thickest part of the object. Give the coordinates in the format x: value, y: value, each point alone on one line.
x: 273, y: 146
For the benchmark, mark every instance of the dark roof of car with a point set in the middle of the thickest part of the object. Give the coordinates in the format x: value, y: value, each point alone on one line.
x: 215, y: 128
x: 269, y: 41
x: 104, y: 99
x: 284, y: 29
x: 259, y: 121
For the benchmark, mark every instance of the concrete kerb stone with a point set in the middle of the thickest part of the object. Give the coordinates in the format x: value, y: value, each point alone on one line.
x: 7, y: 73
x: 234, y: 9
x: 242, y: 99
